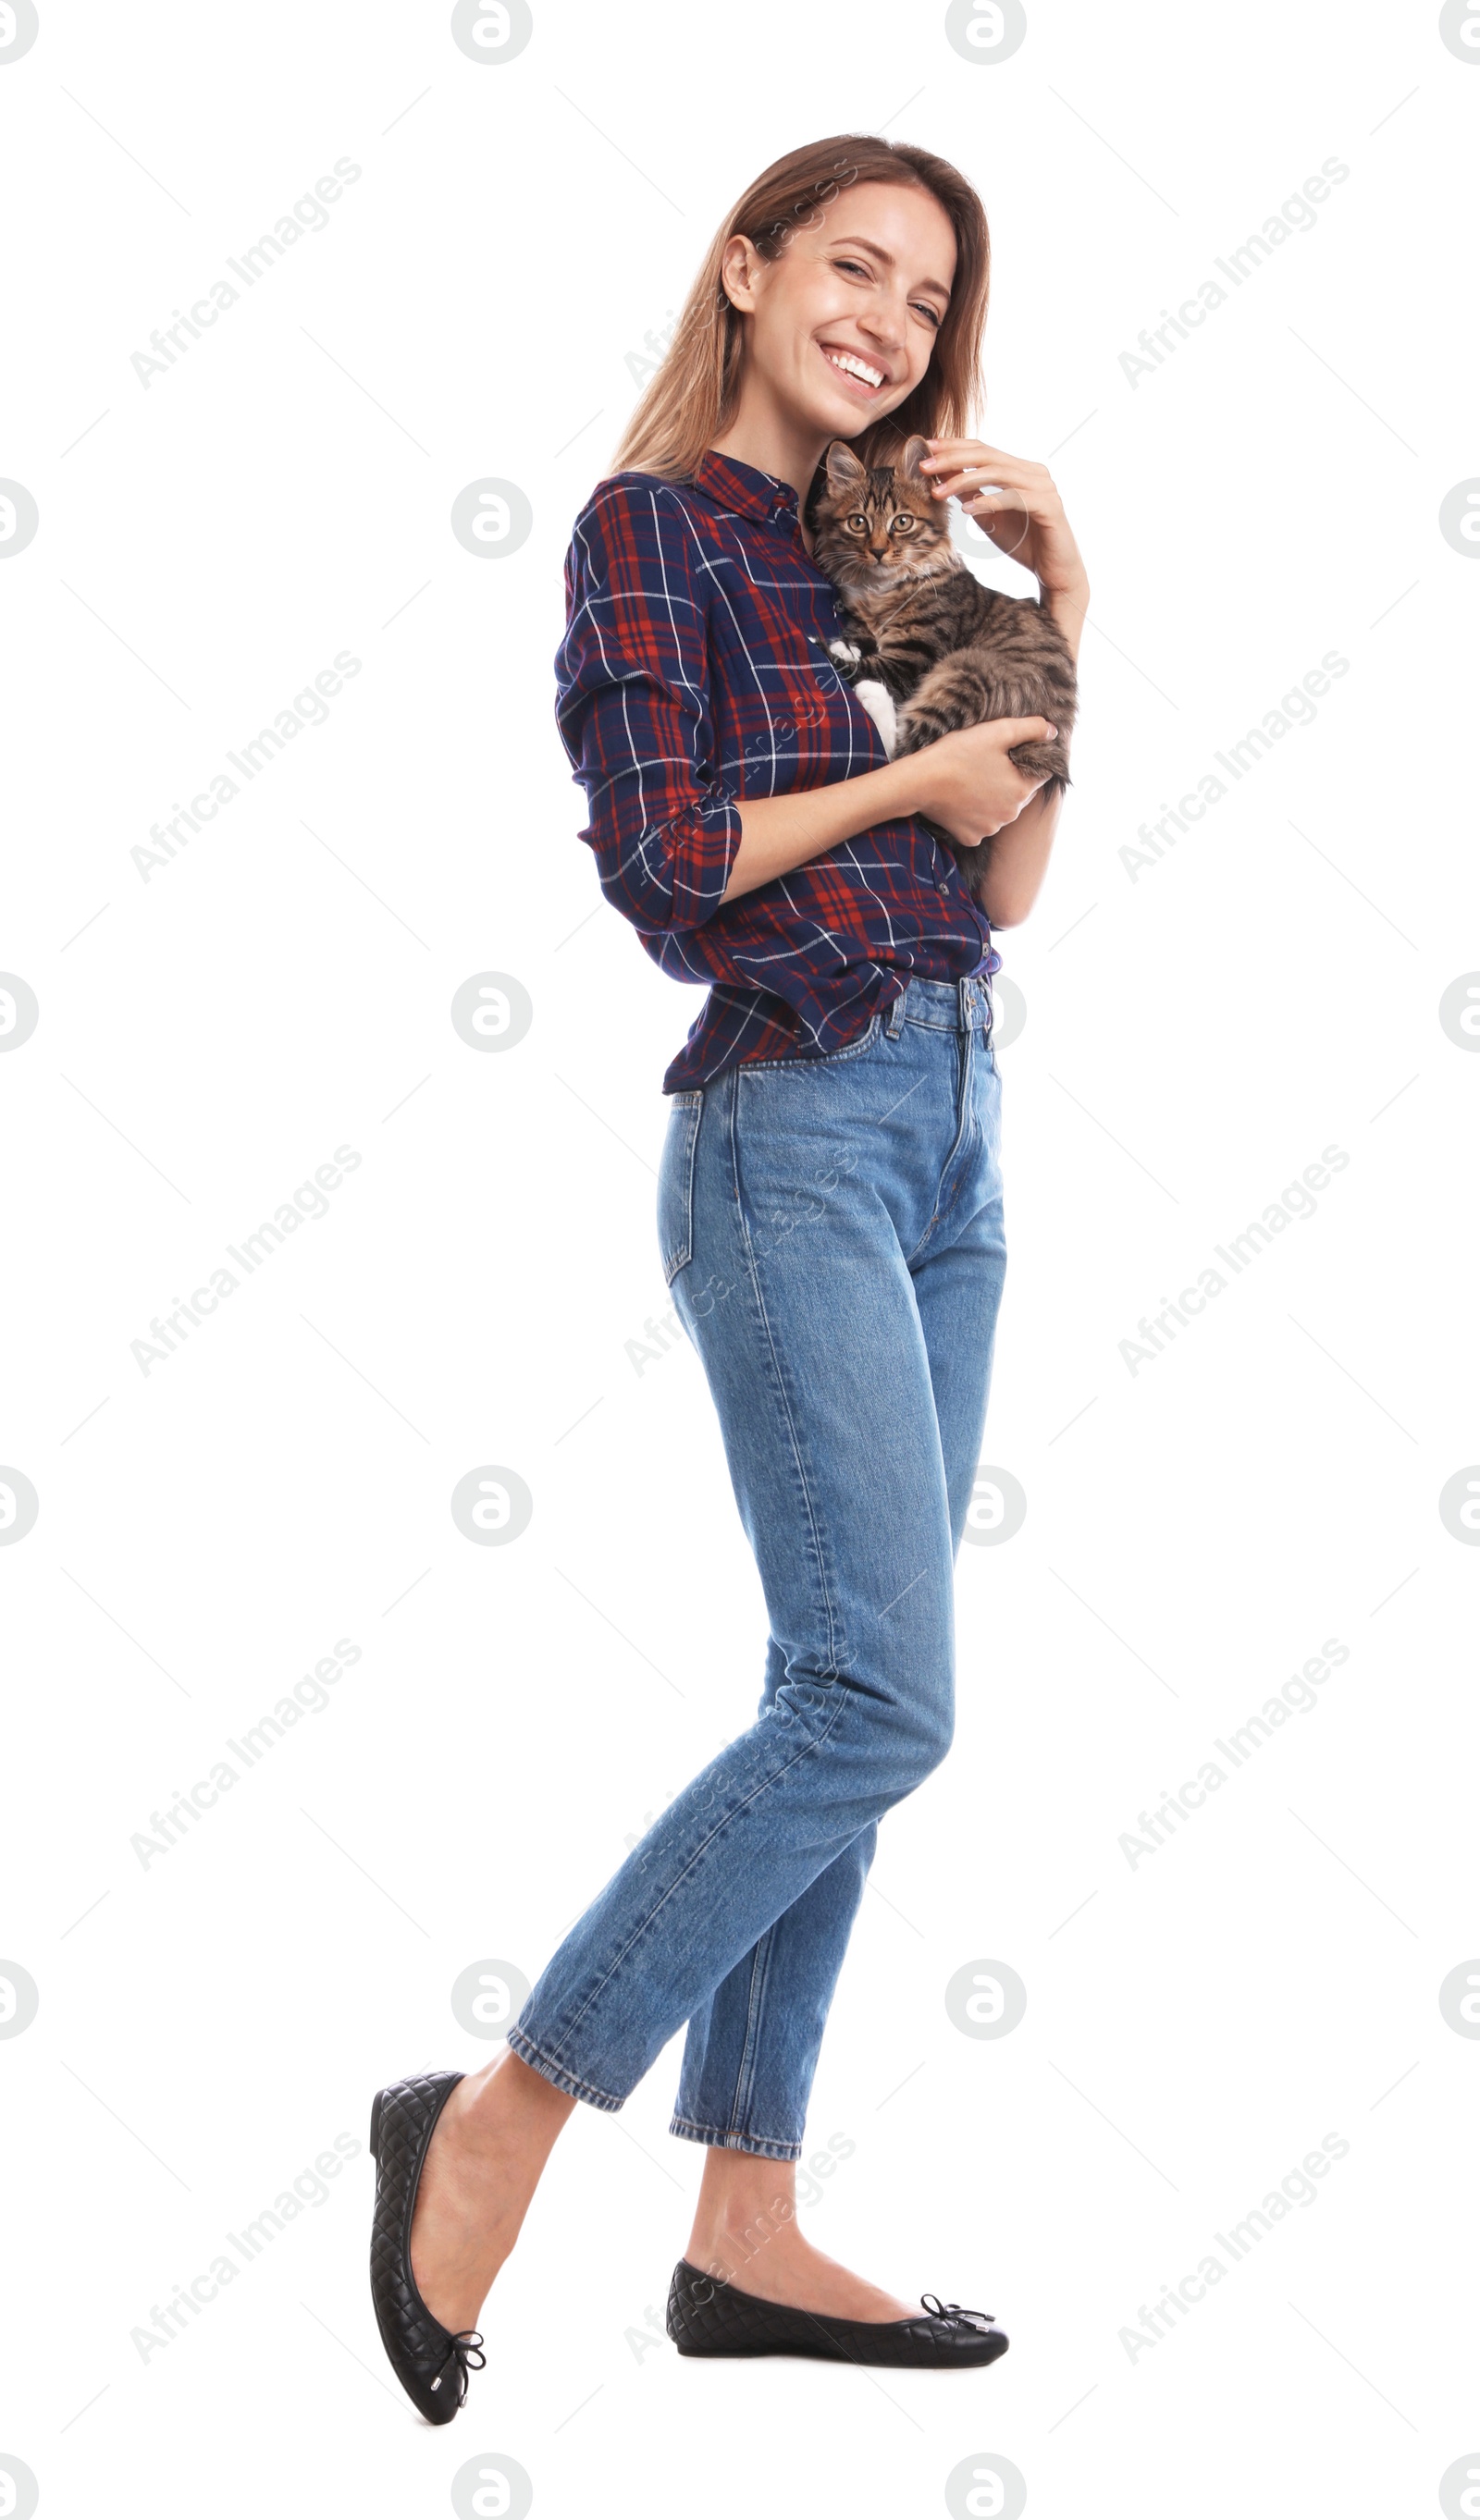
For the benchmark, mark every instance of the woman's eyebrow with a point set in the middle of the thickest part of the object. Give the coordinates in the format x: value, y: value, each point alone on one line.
x: 880, y: 255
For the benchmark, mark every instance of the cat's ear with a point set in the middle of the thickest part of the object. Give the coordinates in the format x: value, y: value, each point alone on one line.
x: 916, y: 449
x: 843, y: 466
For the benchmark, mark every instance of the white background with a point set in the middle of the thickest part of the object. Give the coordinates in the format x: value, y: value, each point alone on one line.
x: 1195, y: 1034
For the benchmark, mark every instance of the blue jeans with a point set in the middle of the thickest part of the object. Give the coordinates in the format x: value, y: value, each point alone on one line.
x: 832, y: 1232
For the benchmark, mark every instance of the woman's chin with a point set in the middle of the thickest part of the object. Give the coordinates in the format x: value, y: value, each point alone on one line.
x: 838, y: 412
x: 852, y: 420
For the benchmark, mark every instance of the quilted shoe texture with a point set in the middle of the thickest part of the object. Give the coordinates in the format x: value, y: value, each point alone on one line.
x: 710, y: 2318
x: 427, y: 2360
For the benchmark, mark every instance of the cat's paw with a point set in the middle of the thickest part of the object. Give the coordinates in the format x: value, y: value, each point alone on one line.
x: 880, y: 708
x: 845, y: 655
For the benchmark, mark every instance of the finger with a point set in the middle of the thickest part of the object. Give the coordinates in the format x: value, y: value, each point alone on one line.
x: 969, y: 450
x: 1022, y: 730
x: 963, y: 484
x: 967, y: 468
x: 984, y: 482
x: 987, y: 462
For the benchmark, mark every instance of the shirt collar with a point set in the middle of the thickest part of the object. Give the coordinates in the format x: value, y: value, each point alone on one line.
x: 743, y: 490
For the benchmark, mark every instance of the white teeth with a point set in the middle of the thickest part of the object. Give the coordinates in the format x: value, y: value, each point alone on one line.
x: 853, y: 367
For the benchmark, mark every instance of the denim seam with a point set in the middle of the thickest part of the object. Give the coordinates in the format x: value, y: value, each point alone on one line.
x: 837, y: 1656
x: 735, y: 2139
x: 760, y: 1970
x: 682, y: 1252
x: 639, y: 1930
x: 822, y: 1059
x: 965, y: 1127
x: 813, y: 1743
x: 524, y: 2046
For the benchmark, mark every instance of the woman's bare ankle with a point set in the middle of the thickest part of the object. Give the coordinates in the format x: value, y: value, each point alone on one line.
x: 507, y: 2102
x: 487, y: 2152
x: 743, y: 2198
x: 746, y: 2232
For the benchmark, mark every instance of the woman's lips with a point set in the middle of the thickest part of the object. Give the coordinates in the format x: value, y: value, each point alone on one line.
x: 868, y: 383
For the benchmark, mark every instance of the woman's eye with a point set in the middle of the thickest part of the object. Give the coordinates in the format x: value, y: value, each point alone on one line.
x: 931, y: 315
x: 843, y: 265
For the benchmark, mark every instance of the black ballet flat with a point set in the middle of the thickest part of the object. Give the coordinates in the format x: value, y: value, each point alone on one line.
x: 430, y: 2364
x: 709, y: 2319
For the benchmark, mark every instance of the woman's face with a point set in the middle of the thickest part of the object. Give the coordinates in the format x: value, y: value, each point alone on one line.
x: 842, y: 324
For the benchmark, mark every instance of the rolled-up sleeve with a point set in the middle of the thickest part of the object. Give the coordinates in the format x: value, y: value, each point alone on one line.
x: 633, y: 712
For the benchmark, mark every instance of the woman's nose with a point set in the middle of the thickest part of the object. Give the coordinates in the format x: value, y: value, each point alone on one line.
x: 886, y: 326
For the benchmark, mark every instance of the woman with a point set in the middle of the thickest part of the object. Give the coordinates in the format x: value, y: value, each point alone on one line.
x: 829, y: 1218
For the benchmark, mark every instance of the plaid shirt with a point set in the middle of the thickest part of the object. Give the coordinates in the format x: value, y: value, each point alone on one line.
x: 693, y: 672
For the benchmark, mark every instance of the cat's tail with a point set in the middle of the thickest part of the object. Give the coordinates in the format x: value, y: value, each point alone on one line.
x: 1047, y: 762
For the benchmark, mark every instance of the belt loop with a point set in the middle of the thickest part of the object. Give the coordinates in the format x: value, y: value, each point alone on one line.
x: 964, y: 1008
x: 897, y: 1014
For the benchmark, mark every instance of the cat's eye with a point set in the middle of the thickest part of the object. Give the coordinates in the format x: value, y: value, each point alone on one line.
x: 856, y: 524
x: 902, y: 524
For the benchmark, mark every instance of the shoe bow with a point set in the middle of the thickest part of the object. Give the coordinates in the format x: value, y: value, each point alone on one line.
x: 467, y: 2355
x: 938, y: 2309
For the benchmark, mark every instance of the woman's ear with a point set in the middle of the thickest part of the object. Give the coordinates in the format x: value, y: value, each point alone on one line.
x: 738, y: 266
x: 843, y: 465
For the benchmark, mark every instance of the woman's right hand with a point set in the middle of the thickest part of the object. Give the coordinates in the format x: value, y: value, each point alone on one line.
x: 966, y: 783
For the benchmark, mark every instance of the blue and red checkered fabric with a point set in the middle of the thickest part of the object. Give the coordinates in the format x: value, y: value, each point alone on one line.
x: 694, y: 673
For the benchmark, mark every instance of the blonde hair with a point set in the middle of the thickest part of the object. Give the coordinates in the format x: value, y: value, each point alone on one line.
x: 691, y: 399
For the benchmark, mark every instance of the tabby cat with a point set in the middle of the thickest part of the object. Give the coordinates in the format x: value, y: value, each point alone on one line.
x: 930, y: 648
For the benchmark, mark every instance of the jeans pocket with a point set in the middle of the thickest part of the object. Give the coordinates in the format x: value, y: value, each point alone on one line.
x: 798, y: 1066
x: 675, y: 1183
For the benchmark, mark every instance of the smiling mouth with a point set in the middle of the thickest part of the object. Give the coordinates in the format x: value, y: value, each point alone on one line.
x: 860, y: 373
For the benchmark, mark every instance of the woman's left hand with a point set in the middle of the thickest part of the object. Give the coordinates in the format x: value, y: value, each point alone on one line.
x: 1016, y: 506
